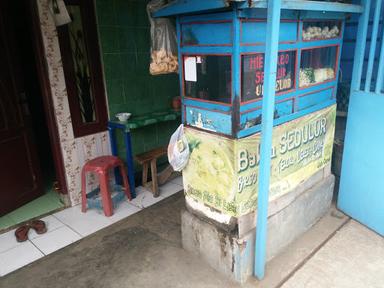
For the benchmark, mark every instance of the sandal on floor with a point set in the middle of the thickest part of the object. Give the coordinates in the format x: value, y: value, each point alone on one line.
x: 39, y: 226
x: 21, y: 233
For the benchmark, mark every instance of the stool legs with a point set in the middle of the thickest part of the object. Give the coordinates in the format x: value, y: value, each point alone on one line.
x: 155, y: 187
x: 83, y: 191
x: 123, y: 173
x: 145, y: 174
x: 105, y: 194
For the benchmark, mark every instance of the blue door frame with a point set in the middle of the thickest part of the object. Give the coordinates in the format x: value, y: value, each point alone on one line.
x: 361, y: 193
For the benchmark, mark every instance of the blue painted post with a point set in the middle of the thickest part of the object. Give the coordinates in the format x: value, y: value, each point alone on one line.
x: 271, y: 50
x: 380, y: 74
x: 112, y: 139
x: 361, y: 39
x: 130, y: 167
x: 236, y: 73
x: 181, y: 64
x: 372, y: 48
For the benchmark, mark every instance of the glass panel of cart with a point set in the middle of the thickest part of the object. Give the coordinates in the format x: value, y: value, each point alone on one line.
x: 318, y: 65
x: 208, y: 78
x: 252, y: 74
x: 319, y: 30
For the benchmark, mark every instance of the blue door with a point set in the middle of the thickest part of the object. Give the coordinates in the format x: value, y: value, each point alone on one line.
x: 361, y: 193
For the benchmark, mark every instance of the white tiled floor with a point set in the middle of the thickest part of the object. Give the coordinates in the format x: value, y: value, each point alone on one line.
x: 18, y: 257
x: 56, y: 240
x: 70, y: 225
x: 52, y: 224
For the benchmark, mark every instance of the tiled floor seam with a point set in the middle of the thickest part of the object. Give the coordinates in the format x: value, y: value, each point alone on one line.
x: 301, y: 265
x: 65, y: 224
x: 42, y: 235
x: 143, y: 202
x: 37, y: 248
x: 6, y: 250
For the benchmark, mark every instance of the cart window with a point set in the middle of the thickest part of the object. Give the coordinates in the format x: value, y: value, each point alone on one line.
x: 317, y: 65
x: 252, y: 74
x: 208, y: 77
x: 318, y: 30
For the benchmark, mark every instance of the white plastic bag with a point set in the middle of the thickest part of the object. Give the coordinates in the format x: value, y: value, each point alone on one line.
x: 163, y: 42
x: 178, y: 149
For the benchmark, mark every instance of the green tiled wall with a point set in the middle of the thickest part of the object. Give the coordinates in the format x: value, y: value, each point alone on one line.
x: 125, y: 43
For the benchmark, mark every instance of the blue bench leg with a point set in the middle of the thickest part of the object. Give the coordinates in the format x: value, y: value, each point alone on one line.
x: 112, y: 139
x: 131, y: 169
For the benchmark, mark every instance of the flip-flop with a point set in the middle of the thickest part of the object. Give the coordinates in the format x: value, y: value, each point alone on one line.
x: 21, y: 233
x: 39, y: 226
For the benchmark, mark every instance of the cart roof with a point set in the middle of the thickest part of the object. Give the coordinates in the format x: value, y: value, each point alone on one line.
x: 180, y: 7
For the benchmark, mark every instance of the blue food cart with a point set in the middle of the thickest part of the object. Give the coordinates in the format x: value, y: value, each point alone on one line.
x: 251, y: 68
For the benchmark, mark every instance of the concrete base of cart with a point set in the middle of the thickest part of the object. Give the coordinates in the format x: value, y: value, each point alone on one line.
x: 231, y: 252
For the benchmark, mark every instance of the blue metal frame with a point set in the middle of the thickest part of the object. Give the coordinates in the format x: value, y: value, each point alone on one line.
x: 112, y: 127
x: 271, y: 51
x: 192, y: 6
x: 361, y: 182
x: 235, y: 11
x: 247, y: 112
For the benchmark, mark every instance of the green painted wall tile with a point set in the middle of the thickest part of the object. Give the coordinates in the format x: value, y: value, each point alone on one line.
x: 131, y: 13
x: 106, y: 12
x: 142, y: 36
x: 115, y: 91
x: 110, y: 34
x: 112, y: 66
x: 129, y: 63
x: 127, y: 43
x: 125, y: 40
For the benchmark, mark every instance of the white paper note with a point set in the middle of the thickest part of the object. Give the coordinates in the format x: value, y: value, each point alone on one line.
x: 190, y: 72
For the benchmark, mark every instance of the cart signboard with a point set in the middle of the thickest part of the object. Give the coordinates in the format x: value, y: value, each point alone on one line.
x: 253, y: 74
x: 223, y: 173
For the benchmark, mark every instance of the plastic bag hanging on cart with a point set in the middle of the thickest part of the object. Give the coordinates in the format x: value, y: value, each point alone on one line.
x: 163, y: 42
x: 178, y: 149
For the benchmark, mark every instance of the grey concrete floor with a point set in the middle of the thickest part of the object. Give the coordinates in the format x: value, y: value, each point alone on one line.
x: 353, y: 258
x: 144, y: 250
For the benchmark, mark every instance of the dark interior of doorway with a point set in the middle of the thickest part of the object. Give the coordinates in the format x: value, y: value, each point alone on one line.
x: 33, y: 101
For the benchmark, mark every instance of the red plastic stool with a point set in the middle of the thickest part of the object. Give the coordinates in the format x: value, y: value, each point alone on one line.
x: 101, y: 166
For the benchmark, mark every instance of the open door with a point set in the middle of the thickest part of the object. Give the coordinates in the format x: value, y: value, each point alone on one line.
x: 20, y: 176
x: 361, y: 193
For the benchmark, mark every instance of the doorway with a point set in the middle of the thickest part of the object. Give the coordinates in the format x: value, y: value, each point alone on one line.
x: 29, y: 171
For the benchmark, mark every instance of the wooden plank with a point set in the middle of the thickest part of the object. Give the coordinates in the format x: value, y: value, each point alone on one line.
x: 152, y: 154
x: 155, y: 187
x: 145, y: 173
x: 164, y: 175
